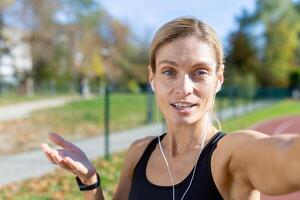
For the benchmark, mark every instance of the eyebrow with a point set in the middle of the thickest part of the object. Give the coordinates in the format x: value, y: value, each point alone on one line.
x: 201, y: 64
x: 168, y: 62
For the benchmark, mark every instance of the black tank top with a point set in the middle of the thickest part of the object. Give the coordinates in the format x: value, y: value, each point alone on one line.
x: 203, y: 186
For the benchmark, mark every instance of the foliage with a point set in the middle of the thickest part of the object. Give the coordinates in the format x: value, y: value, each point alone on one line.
x: 242, y: 63
x: 133, y: 86
x: 60, y: 185
x: 280, y: 53
x: 67, y: 38
x: 294, y: 79
x: 266, y: 44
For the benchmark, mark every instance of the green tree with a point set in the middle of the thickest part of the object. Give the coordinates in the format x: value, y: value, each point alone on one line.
x: 67, y: 38
x: 242, y: 56
x: 281, y: 23
x: 242, y: 53
x: 242, y: 63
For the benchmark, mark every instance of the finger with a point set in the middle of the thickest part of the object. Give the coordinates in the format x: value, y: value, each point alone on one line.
x: 48, y: 156
x: 60, y: 141
x: 47, y: 151
x: 64, y: 165
x: 45, y: 147
x: 76, y: 167
x: 56, y: 157
x: 72, y: 168
x: 60, y: 162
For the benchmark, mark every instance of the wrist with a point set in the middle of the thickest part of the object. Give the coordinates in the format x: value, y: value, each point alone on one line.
x: 91, y: 179
x: 89, y: 184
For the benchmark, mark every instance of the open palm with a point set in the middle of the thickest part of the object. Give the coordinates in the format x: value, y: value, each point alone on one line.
x: 69, y: 157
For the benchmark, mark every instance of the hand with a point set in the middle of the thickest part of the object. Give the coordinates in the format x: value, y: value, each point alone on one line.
x: 71, y: 158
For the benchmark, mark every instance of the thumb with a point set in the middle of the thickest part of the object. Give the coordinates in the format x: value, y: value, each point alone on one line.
x: 60, y: 141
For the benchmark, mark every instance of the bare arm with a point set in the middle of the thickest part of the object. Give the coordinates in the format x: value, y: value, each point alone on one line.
x: 96, y: 194
x: 73, y: 159
x: 270, y: 164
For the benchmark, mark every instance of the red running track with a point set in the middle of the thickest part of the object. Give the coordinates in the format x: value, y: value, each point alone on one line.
x: 290, y: 124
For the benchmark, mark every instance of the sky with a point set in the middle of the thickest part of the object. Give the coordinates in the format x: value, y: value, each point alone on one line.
x: 145, y: 17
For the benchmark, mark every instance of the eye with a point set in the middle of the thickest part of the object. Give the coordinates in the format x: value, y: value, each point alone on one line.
x: 169, y: 72
x: 200, y: 73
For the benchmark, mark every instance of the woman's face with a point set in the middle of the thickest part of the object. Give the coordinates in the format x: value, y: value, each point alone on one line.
x: 185, y: 80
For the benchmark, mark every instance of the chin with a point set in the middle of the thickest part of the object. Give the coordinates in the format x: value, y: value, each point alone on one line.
x: 184, y: 121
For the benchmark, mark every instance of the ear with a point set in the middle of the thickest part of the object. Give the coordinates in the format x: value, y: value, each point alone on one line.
x: 220, y: 73
x: 150, y: 74
x: 150, y: 78
x: 220, y: 77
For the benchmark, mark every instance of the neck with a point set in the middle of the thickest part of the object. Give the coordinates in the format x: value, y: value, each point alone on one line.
x: 183, y: 138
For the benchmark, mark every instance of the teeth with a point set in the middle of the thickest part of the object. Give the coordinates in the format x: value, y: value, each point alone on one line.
x: 182, y: 105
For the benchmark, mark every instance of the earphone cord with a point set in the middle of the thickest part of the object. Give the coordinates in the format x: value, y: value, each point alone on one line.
x: 166, y: 161
x: 168, y: 167
x: 195, y: 165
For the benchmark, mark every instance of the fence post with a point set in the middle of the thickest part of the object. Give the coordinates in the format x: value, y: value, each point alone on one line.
x: 149, y: 117
x: 106, y: 121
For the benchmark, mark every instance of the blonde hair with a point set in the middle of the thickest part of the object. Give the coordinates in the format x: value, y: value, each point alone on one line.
x: 184, y: 27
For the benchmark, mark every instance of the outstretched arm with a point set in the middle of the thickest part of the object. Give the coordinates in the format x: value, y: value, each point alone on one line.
x: 270, y: 164
x: 73, y: 159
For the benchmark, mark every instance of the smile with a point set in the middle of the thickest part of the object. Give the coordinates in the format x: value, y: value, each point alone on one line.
x: 182, y: 106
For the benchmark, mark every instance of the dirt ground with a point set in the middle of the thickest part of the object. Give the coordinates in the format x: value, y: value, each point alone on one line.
x: 24, y: 134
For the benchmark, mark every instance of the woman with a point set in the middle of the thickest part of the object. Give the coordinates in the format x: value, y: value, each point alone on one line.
x: 192, y: 160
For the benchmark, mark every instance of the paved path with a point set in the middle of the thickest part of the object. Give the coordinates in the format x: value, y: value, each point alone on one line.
x: 290, y: 124
x: 22, y: 110
x: 33, y: 163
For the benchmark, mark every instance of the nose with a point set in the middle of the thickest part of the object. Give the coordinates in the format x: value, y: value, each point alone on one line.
x: 185, y: 86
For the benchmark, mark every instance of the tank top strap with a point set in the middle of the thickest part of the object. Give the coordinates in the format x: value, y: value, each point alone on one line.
x: 202, y: 187
x: 211, y: 146
x: 203, y: 176
x: 148, y: 151
x: 207, y: 151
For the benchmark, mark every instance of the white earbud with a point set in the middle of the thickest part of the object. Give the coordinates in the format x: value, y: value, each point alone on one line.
x: 152, y: 86
x: 218, y: 88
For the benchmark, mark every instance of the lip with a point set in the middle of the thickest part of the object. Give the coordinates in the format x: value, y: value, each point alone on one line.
x: 187, y: 110
x: 187, y: 102
x: 184, y: 102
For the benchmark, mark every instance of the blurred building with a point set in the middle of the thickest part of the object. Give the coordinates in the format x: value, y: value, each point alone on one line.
x: 15, y: 57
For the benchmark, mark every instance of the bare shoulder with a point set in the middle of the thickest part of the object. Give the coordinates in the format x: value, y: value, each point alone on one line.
x: 136, y: 151
x: 228, y: 146
x: 143, y: 142
x: 236, y: 140
x: 242, y: 137
x: 249, y: 133
x: 139, y: 146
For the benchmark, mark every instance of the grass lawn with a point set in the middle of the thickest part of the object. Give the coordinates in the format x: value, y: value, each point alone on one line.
x: 60, y: 185
x: 280, y: 109
x: 74, y: 121
x: 77, y: 120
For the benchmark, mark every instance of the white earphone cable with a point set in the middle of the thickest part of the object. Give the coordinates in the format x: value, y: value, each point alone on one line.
x: 168, y: 167
x: 167, y: 163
